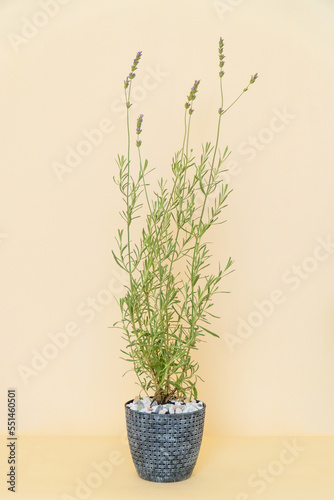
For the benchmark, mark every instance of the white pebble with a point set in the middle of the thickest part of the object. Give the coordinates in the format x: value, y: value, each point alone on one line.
x: 146, y: 402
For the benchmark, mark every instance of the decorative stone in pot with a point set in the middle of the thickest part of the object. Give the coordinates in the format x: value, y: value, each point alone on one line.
x: 164, y: 447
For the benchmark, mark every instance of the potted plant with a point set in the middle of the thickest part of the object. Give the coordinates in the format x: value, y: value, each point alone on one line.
x: 166, y: 307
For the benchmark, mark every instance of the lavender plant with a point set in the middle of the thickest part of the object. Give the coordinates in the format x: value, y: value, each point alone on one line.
x: 166, y: 308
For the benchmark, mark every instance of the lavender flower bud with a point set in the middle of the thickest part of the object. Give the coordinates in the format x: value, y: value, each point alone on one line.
x: 132, y: 74
x: 221, y: 57
x: 139, y: 122
x: 192, y: 95
x: 253, y: 78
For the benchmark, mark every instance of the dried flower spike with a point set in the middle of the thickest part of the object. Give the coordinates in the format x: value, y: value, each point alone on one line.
x: 192, y: 96
x: 221, y: 57
x: 136, y: 61
x: 132, y: 73
x: 139, y: 122
x: 253, y: 78
x: 126, y: 82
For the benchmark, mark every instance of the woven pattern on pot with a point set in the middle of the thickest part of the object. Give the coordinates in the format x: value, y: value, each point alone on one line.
x: 165, y: 448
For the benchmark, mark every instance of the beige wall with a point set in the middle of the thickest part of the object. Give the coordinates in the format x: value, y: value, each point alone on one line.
x: 63, y: 65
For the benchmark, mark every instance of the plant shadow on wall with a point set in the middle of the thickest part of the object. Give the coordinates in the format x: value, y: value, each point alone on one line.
x: 166, y: 308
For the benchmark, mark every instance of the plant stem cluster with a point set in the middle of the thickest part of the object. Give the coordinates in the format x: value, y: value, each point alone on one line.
x: 166, y: 309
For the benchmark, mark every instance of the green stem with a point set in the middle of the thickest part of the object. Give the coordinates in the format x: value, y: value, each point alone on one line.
x: 131, y: 312
x: 185, y: 137
x: 199, y: 234
x: 143, y: 176
x: 188, y: 136
x: 127, y: 100
x: 185, y: 130
x: 215, y: 151
x: 235, y: 100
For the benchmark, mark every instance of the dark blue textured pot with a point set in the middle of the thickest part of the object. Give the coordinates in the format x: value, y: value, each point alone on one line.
x: 164, y: 448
